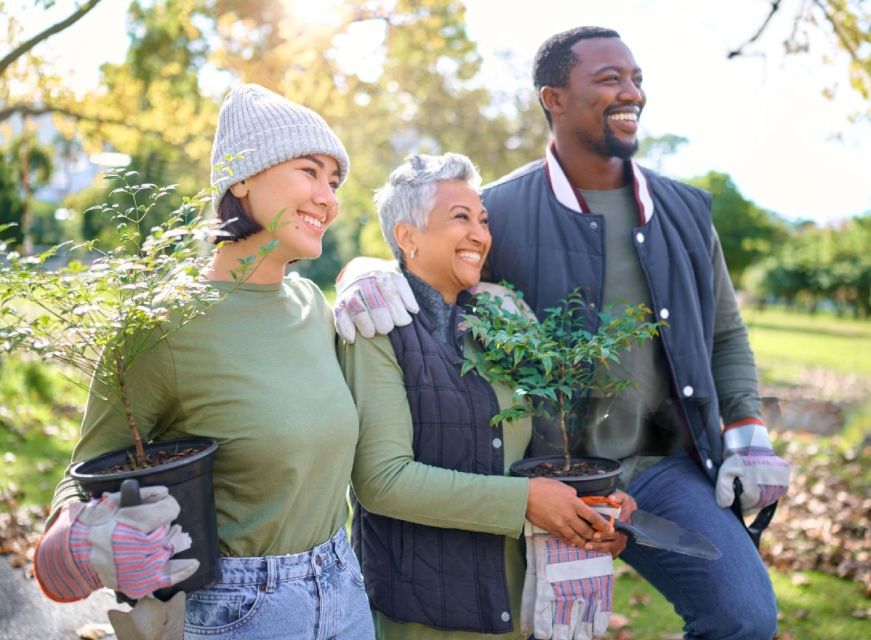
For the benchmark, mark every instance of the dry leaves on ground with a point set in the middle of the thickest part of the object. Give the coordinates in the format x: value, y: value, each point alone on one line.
x: 824, y: 523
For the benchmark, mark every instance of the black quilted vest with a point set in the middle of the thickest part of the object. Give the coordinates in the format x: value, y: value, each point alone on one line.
x: 444, y: 578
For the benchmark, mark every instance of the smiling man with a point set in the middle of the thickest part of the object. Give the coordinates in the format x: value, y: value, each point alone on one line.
x: 588, y: 216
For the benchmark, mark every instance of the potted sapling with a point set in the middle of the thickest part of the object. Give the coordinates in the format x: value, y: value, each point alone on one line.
x: 102, y: 311
x: 553, y: 366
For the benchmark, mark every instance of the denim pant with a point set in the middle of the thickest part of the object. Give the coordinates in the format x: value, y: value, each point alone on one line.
x: 726, y: 599
x: 316, y: 595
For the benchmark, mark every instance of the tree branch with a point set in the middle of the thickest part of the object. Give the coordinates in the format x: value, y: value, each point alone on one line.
x: 848, y: 46
x: 47, y: 33
x: 775, y: 5
x: 30, y: 110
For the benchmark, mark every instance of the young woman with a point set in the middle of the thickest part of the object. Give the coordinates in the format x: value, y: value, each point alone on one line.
x: 438, y: 522
x: 258, y: 373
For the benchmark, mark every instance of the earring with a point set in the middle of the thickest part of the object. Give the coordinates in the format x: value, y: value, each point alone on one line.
x: 412, y: 253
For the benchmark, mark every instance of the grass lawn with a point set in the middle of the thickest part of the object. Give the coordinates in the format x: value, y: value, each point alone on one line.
x: 813, y: 606
x: 786, y: 342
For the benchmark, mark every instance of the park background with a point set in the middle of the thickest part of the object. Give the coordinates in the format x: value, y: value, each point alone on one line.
x: 766, y: 104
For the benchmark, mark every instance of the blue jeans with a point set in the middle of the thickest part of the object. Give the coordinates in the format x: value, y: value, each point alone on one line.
x: 726, y: 599
x: 317, y: 595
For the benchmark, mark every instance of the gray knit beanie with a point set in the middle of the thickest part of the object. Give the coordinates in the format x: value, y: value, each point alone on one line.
x: 270, y: 129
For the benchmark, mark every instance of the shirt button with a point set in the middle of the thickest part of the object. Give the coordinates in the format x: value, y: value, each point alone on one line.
x: 506, y: 616
x: 594, y: 225
x: 709, y: 464
x: 592, y: 306
x: 639, y: 237
x: 663, y: 313
x: 497, y: 443
x: 688, y: 391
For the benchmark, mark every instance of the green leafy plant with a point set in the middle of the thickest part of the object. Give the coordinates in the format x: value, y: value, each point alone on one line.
x: 107, y: 307
x: 553, y: 364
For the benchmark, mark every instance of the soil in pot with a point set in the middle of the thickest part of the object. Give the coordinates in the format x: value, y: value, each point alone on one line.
x: 587, y: 475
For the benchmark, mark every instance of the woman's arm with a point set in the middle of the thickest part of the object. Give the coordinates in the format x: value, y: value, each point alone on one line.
x: 387, y: 479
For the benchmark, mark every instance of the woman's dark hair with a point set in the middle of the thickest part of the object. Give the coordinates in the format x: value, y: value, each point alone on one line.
x: 234, y: 221
x: 554, y: 59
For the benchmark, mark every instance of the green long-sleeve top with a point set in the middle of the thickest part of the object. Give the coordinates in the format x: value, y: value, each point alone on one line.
x: 388, y: 481
x: 259, y: 374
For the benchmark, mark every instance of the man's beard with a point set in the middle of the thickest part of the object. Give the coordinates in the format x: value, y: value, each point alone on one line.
x: 610, y: 146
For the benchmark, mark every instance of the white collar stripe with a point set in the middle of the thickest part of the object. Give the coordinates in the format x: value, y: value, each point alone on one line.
x: 570, y: 198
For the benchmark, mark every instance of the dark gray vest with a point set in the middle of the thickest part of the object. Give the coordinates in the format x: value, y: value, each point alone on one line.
x: 444, y: 578
x: 546, y: 250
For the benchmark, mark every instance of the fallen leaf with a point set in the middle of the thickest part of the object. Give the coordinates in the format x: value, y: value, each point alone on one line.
x: 617, y: 621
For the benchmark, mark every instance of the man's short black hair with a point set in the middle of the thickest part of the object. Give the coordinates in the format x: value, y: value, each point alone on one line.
x: 234, y: 221
x: 555, y: 58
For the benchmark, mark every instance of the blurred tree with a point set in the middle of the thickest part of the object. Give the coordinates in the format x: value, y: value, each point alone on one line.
x: 30, y: 167
x: 746, y: 231
x: 655, y: 148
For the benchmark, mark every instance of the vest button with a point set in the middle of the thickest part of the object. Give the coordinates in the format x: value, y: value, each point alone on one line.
x: 688, y: 391
x: 663, y: 313
x: 497, y: 443
x: 639, y: 238
x: 506, y: 616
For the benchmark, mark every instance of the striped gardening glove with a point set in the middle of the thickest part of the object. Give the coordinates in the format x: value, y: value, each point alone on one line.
x: 100, y: 544
x: 749, y: 457
x: 567, y: 591
x: 374, y: 302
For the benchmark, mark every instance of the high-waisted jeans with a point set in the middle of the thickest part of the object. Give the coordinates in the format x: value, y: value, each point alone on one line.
x: 315, y: 595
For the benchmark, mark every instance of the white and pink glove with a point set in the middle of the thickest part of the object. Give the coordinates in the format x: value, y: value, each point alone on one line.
x: 371, y: 298
x: 101, y: 544
x: 568, y: 591
x: 749, y: 457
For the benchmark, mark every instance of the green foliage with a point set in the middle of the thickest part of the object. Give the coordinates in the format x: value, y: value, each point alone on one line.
x: 747, y: 233
x: 39, y: 415
x: 553, y: 364
x: 101, y: 317
x: 824, y: 264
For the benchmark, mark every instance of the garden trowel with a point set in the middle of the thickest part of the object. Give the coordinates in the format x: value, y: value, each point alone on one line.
x: 649, y: 530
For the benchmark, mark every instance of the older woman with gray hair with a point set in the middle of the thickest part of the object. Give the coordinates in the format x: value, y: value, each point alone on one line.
x: 437, y: 519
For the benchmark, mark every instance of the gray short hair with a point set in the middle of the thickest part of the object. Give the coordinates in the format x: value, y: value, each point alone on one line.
x: 410, y: 192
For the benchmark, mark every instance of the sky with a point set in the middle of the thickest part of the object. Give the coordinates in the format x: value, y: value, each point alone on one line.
x: 761, y: 118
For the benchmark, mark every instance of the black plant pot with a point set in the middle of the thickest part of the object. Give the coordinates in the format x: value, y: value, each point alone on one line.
x: 599, y: 484
x: 189, y: 481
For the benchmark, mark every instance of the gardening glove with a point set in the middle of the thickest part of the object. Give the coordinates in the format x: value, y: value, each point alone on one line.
x: 573, y: 587
x: 99, y: 544
x: 376, y: 300
x: 151, y: 619
x: 749, y: 457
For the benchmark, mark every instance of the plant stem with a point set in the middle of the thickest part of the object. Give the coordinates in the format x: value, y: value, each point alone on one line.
x: 128, y: 411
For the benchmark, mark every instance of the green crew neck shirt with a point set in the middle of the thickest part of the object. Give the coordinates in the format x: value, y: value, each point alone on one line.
x: 259, y: 374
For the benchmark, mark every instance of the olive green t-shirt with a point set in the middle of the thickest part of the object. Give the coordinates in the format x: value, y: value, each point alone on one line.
x: 259, y: 374
x: 641, y: 425
x: 388, y: 481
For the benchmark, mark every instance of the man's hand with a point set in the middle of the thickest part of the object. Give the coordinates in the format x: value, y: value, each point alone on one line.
x: 371, y: 298
x: 749, y: 457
